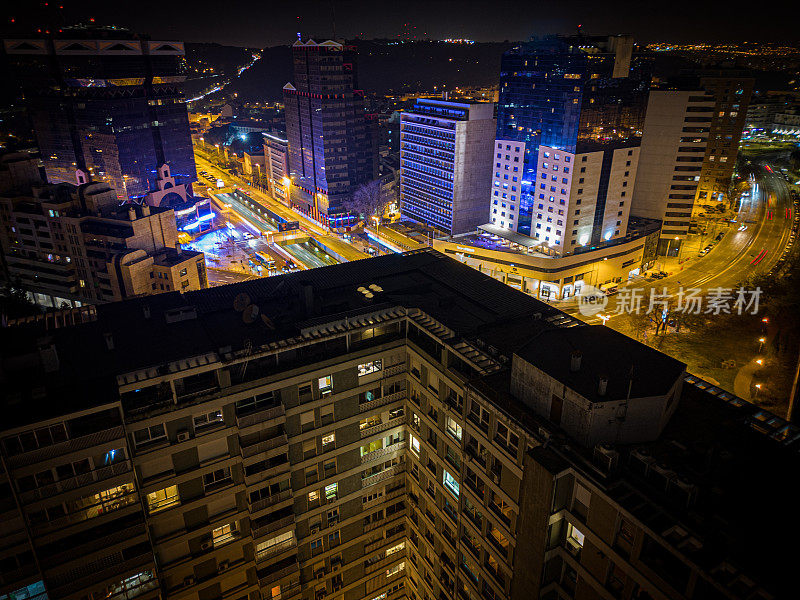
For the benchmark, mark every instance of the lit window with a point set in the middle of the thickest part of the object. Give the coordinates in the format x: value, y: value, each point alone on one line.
x: 575, y: 537
x: 162, y: 499
x: 397, y: 548
x: 223, y: 535
x: 313, y: 496
x: 328, y: 441
x: 372, y: 366
x: 451, y: 484
x: 414, y: 444
x: 331, y: 492
x: 395, y: 569
x: 453, y: 428
x: 325, y: 385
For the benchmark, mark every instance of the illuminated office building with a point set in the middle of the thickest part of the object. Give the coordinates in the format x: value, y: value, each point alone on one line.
x: 569, y: 125
x: 445, y: 163
x: 109, y: 106
x: 331, y: 146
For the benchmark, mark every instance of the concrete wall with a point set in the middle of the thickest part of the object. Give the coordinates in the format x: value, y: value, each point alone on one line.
x: 472, y: 172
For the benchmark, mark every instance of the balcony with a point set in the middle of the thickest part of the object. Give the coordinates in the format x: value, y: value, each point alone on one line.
x: 392, y: 370
x: 263, y: 503
x: 260, y: 416
x: 73, y: 445
x: 262, y: 530
x: 276, y: 549
x: 383, y: 452
x: 277, y: 571
x: 89, y: 574
x: 75, y: 482
x: 368, y: 431
x: 94, y: 545
x: 382, y: 476
x: 382, y: 401
x: 264, y: 446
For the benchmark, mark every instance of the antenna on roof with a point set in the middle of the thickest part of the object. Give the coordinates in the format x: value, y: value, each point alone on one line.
x: 333, y: 18
x: 250, y: 313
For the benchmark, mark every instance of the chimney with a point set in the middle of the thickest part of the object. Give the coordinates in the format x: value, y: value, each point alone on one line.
x: 146, y: 311
x: 145, y: 210
x: 601, y: 386
x: 575, y: 361
x: 131, y: 213
x: 109, y: 338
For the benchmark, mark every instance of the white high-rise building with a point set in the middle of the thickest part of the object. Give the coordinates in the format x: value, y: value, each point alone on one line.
x: 445, y: 163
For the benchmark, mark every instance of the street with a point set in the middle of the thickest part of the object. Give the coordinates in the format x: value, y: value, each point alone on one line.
x: 739, y: 255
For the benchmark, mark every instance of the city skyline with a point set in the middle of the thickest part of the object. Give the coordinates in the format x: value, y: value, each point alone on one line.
x: 255, y: 26
x: 535, y: 336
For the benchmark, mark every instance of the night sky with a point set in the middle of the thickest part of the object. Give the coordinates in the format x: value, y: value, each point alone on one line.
x: 259, y: 23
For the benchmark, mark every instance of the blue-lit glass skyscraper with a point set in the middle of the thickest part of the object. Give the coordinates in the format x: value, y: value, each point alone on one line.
x: 576, y: 95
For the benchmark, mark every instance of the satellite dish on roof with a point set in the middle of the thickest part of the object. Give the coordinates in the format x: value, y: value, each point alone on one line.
x: 375, y: 287
x: 241, y: 302
x: 250, y: 313
x: 361, y: 289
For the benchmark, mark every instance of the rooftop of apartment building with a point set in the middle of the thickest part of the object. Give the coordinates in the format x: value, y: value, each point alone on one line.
x: 631, y: 369
x: 169, y: 257
x: 713, y: 485
x: 153, y: 331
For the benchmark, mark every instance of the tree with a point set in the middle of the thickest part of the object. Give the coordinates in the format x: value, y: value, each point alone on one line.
x: 368, y: 200
x: 794, y: 157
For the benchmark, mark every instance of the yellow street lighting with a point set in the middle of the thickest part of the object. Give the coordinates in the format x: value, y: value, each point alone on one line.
x: 762, y: 340
x: 758, y: 386
x: 759, y: 361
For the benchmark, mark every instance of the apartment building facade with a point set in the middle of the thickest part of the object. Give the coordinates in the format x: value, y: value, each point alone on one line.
x: 671, y: 160
x: 341, y: 446
x: 724, y: 126
x: 69, y: 244
x: 445, y: 163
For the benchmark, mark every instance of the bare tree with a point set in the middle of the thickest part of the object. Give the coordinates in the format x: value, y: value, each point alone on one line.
x: 368, y: 200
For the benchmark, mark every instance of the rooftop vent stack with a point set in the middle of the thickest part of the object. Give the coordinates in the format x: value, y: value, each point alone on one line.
x: 48, y: 355
x: 146, y: 311
x: 145, y: 210
x: 308, y: 297
x: 575, y: 361
x: 131, y: 214
x: 109, y: 339
x: 602, y: 386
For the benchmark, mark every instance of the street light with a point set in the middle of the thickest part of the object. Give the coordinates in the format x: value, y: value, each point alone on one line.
x: 759, y: 361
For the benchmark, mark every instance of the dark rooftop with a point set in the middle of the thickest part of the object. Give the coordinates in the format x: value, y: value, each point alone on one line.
x: 465, y: 300
x: 633, y: 369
